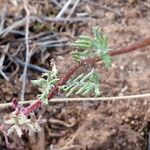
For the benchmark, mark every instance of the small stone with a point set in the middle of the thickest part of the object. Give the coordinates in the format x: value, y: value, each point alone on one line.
x: 123, y: 117
x: 136, y: 117
x: 113, y: 131
x: 130, y: 14
x: 145, y: 103
x: 126, y: 120
x: 132, y: 122
x: 124, y: 144
x: 142, y: 133
x: 60, y: 57
x: 121, y: 67
x: 132, y: 2
x: 129, y: 114
x: 110, y: 15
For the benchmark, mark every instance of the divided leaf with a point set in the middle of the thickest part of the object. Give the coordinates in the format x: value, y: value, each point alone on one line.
x: 96, y: 46
x: 46, y: 83
x: 83, y: 84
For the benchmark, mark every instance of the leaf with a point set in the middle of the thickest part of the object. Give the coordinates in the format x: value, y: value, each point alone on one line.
x: 52, y: 82
x: 83, y: 84
x: 10, y: 121
x: 13, y: 129
x: 97, y: 90
x: 96, y: 44
x: 54, y: 71
x: 88, y: 75
x: 71, y: 90
x: 31, y: 127
x: 18, y: 130
x: 81, y: 45
x: 84, y: 42
x: 88, y: 89
x: 82, y: 55
x: 37, y: 127
x: 22, y: 120
x: 83, y: 88
x: 96, y: 32
x: 85, y: 38
x: 10, y: 131
x: 66, y: 88
x: 47, y: 84
x: 78, y: 77
x: 44, y: 98
x: 40, y: 82
x: 107, y: 60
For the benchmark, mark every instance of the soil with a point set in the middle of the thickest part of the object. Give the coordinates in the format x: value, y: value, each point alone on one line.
x: 111, y: 125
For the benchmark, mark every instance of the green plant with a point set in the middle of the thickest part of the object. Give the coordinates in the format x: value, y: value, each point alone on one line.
x: 81, y: 84
x: 95, y: 46
x: 90, y: 50
x: 46, y: 83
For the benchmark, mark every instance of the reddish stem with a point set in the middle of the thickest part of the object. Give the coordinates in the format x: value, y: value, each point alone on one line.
x: 74, y: 68
x: 139, y: 44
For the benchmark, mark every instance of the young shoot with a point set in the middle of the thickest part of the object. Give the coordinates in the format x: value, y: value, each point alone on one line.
x: 46, y: 83
x: 90, y: 47
x: 83, y: 84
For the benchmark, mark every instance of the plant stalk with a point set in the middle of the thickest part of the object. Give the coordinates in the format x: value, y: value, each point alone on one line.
x: 89, y: 61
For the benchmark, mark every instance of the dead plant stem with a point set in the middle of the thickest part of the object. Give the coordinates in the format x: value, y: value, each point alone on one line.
x: 58, y: 100
x: 27, y: 49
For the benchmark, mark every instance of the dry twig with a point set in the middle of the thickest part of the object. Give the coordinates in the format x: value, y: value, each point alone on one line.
x: 61, y: 123
x: 57, y: 3
x: 59, y: 100
x: 64, y: 9
x: 73, y: 8
x: 27, y: 48
x: 2, y: 61
x: 15, y: 25
x: 62, y: 19
x: 3, y: 17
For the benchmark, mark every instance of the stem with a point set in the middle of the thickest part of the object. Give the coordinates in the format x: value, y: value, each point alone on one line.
x: 5, y: 106
x: 27, y: 49
x: 74, y: 68
x: 139, y: 44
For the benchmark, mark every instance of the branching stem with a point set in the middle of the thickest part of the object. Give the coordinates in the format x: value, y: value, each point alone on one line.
x: 133, y: 47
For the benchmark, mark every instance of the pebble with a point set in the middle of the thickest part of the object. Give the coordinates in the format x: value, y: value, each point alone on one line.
x: 113, y: 131
x: 123, y: 117
x: 110, y: 15
x: 129, y: 114
x: 142, y: 133
x: 132, y: 2
x: 126, y: 120
x: 124, y: 144
x: 130, y: 14
x: 132, y: 122
x: 136, y: 117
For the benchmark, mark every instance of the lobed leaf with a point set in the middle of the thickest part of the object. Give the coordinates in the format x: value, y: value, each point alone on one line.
x: 83, y: 84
